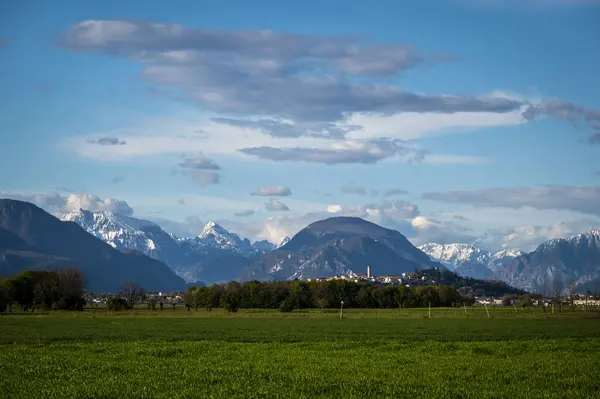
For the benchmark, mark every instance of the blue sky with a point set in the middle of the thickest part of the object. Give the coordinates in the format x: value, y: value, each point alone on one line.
x: 483, y: 116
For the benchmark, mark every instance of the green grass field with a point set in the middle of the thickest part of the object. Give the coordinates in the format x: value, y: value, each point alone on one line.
x: 369, y: 353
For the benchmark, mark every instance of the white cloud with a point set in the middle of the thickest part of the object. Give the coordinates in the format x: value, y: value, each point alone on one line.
x: 275, y: 205
x: 582, y: 199
x: 174, y: 136
x: 334, y: 208
x: 441, y: 232
x: 415, y: 125
x: 58, y: 204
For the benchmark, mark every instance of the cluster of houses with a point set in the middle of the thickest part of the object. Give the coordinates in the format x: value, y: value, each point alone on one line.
x: 164, y: 297
x: 415, y: 279
x: 408, y: 279
x: 579, y: 300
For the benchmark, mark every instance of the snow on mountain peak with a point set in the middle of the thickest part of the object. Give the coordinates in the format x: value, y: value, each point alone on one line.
x: 105, y: 221
x: 215, y: 229
x: 590, y: 236
x: 119, y: 231
x: 78, y: 216
x: 284, y: 241
x: 459, y: 255
x: 507, y: 253
x: 216, y: 236
x: 455, y: 254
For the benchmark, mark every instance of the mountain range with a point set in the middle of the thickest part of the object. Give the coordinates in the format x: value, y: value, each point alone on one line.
x: 549, y: 269
x: 118, y: 244
x: 32, y: 238
x: 469, y: 260
x: 215, y: 255
x: 557, y: 264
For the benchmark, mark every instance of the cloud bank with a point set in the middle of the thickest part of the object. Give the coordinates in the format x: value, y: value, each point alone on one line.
x: 583, y: 199
x: 280, y: 191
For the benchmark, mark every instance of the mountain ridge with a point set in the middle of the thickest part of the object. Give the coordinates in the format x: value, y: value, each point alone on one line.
x: 556, y: 264
x: 214, y: 255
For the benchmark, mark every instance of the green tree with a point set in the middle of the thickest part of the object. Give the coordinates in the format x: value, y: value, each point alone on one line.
x: 206, y: 297
x: 188, y: 298
x: 232, y: 296
x: 363, y: 297
x: 21, y: 288
x: 448, y: 296
x: 287, y: 305
x: 321, y: 294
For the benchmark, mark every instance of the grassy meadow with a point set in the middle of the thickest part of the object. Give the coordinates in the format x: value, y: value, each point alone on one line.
x: 256, y: 353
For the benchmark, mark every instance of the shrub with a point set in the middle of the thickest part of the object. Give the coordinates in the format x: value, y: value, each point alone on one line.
x: 117, y: 304
x: 286, y: 306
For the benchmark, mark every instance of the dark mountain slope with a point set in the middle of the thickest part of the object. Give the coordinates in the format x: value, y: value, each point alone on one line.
x: 8, y: 240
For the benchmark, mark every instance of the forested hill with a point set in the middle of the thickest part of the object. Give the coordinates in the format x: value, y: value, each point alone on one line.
x: 488, y: 288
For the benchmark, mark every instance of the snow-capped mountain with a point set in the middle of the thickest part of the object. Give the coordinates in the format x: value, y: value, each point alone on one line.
x: 454, y: 255
x: 214, y: 255
x: 121, y: 232
x: 467, y: 259
x: 215, y: 236
x: 556, y: 264
x: 284, y: 241
x: 502, y: 257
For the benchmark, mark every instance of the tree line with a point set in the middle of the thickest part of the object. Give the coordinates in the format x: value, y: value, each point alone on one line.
x: 290, y: 295
x: 43, y: 289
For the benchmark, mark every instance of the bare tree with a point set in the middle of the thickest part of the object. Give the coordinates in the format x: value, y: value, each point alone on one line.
x: 132, y: 292
x: 71, y: 282
x: 558, y: 285
x: 572, y: 287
